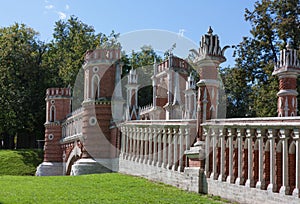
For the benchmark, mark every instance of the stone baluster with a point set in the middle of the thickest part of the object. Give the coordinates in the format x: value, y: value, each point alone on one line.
x: 146, y: 139
x: 142, y: 154
x: 165, y: 148
x: 297, y: 141
x: 230, y: 177
x: 250, y: 180
x: 138, y: 142
x: 134, y: 138
x: 130, y: 143
x: 159, y: 147
x: 207, y: 150
x: 124, y: 133
x: 285, y: 134
x: 240, y: 135
x: 175, y: 148
x: 222, y: 134
x: 151, y: 132
x: 260, y: 137
x: 181, y: 150
x: 170, y: 152
x: 155, y: 136
x: 187, y: 142
x: 271, y: 137
x: 214, y: 152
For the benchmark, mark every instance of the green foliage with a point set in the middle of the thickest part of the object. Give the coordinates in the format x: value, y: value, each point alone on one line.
x: 98, y: 188
x: 274, y: 24
x: 21, y: 82
x: 19, y: 162
x: 65, y: 54
x: 143, y: 61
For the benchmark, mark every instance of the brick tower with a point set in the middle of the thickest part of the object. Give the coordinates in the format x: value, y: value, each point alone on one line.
x: 207, y: 60
x: 132, y: 110
x: 102, y: 71
x: 58, y: 105
x: 287, y: 69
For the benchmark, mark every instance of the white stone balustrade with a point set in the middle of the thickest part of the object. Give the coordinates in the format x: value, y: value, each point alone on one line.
x: 268, y: 153
x: 158, y: 143
x: 72, y: 127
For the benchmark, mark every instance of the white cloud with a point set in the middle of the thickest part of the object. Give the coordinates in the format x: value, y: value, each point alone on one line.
x: 62, y: 15
x: 49, y: 7
x: 181, y: 32
x: 67, y: 7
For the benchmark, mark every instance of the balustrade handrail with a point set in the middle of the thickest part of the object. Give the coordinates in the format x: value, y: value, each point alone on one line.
x: 255, y: 122
x: 185, y: 122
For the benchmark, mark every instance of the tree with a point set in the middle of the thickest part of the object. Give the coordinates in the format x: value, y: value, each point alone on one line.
x: 142, y: 61
x: 274, y: 24
x: 21, y: 90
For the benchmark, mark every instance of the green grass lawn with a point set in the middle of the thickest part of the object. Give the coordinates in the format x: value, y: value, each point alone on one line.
x: 19, y: 162
x: 97, y: 188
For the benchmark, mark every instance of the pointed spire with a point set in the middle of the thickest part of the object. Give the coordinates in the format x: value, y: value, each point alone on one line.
x: 210, y: 31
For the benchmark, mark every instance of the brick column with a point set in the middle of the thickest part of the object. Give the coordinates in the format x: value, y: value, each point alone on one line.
x: 287, y: 70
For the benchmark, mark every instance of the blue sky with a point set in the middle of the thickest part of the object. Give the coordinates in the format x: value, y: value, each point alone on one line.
x: 188, y: 18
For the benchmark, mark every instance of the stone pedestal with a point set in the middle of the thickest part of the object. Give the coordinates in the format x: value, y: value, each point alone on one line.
x: 92, y: 166
x: 50, y: 169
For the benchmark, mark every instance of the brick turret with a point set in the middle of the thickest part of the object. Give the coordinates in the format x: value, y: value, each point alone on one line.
x: 58, y: 106
x: 287, y: 69
x: 102, y: 72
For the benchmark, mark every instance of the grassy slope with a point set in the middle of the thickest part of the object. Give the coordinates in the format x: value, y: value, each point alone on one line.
x: 99, y: 188
x: 19, y: 162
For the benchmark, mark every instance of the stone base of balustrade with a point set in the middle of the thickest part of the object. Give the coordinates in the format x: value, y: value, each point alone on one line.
x: 93, y: 166
x: 243, y: 194
x: 187, y: 180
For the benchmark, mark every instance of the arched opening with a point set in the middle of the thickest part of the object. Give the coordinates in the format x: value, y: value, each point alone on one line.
x: 95, y: 87
x: 70, y: 164
x: 52, y: 113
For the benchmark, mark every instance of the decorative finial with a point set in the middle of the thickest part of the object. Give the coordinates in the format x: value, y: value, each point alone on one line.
x: 210, y: 30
